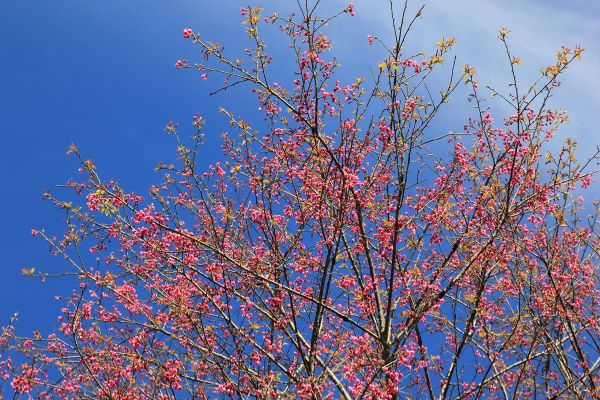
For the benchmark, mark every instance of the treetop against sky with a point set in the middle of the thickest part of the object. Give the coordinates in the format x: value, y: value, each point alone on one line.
x: 353, y: 201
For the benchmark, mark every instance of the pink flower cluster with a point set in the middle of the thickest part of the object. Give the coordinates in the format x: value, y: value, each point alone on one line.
x: 350, y: 9
x: 181, y: 64
x: 187, y: 33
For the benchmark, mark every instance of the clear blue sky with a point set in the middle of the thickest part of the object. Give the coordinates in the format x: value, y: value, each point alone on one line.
x: 101, y: 74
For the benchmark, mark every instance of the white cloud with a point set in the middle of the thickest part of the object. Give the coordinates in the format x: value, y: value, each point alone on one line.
x: 538, y: 29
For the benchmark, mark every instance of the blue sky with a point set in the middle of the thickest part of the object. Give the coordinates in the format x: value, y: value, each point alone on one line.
x: 101, y: 74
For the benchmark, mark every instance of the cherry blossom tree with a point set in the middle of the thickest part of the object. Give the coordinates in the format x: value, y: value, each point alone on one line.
x: 342, y: 248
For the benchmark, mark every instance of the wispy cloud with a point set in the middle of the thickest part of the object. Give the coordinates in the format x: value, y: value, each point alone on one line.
x: 538, y: 29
